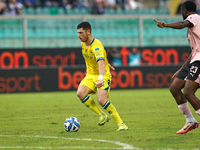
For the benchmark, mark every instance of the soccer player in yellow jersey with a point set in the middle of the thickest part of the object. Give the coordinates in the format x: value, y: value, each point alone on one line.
x: 98, y: 77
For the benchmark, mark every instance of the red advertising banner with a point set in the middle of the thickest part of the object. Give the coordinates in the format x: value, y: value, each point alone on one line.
x: 36, y: 79
x: 16, y: 58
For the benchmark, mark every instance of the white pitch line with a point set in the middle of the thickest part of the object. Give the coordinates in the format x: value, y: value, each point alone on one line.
x: 124, y: 145
x: 77, y: 147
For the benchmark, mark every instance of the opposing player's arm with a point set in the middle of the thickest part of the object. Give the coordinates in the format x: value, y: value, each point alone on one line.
x: 178, y: 24
x: 111, y: 67
x: 185, y: 63
x: 174, y: 25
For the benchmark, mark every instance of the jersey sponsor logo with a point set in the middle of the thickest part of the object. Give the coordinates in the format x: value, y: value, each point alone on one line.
x: 96, y: 49
x: 87, y: 56
x: 98, y: 54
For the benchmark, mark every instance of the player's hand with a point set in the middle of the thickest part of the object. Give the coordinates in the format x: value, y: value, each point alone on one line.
x: 111, y: 67
x: 99, y: 84
x: 160, y: 24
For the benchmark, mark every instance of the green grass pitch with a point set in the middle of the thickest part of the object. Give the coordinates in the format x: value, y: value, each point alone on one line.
x: 35, y: 121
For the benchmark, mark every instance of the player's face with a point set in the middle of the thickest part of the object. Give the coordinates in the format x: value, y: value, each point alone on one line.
x: 82, y: 34
x: 183, y: 12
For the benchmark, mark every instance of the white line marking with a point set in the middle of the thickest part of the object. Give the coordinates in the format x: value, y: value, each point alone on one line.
x: 78, y: 147
x: 124, y: 145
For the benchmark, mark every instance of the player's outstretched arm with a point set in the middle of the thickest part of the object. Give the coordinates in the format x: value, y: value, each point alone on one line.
x: 160, y: 24
x: 174, y: 25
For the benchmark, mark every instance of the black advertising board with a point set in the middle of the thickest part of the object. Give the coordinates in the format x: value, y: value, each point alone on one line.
x: 16, y: 58
x: 36, y: 79
x: 28, y: 80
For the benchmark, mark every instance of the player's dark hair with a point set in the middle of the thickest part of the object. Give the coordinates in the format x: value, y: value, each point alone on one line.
x: 85, y: 25
x: 190, y: 6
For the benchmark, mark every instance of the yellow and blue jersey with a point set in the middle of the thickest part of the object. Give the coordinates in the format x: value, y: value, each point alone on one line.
x: 92, y: 54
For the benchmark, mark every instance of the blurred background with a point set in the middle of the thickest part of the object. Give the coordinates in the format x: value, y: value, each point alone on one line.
x: 42, y: 33
x: 52, y: 23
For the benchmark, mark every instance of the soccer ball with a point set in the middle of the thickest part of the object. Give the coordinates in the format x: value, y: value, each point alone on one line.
x: 71, y: 124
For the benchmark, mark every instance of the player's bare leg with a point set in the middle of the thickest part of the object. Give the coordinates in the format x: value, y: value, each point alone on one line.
x: 189, y: 93
x: 82, y: 93
x: 175, y: 89
x: 102, y: 99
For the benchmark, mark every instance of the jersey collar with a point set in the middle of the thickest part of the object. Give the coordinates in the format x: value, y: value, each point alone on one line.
x: 92, y: 41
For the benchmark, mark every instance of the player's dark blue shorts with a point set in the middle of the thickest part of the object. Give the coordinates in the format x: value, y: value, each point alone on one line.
x: 190, y: 71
